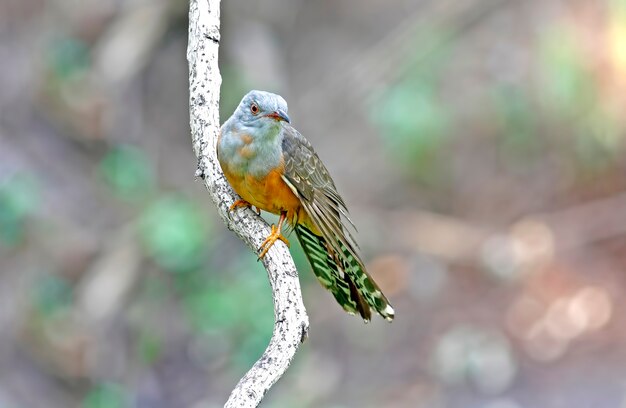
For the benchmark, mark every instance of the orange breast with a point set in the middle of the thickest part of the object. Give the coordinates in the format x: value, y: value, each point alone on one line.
x: 269, y: 193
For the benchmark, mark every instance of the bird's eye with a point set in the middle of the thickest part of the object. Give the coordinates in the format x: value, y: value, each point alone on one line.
x: 254, y: 108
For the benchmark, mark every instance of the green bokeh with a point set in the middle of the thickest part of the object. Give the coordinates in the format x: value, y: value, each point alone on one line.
x: 174, y: 233
x: 414, y: 125
x: 568, y: 86
x: 517, y: 125
x: 598, y: 142
x: 413, y: 121
x: 52, y: 294
x: 19, y: 198
x: 107, y: 395
x: 127, y: 171
x: 68, y: 57
x: 237, y: 305
x: 570, y: 91
x: 149, y: 346
x: 234, y: 87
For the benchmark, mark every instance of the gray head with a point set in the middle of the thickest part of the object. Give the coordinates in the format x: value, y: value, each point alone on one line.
x: 261, y: 110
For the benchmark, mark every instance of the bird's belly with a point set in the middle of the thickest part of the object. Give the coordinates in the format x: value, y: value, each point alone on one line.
x: 269, y: 193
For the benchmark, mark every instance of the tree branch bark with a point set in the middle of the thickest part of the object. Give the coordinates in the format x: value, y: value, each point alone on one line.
x: 291, y: 322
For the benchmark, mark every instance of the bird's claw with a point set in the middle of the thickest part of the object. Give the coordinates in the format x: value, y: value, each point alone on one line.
x: 243, y: 203
x: 270, y: 240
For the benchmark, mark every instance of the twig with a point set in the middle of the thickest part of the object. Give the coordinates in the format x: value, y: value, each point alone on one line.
x: 291, y: 322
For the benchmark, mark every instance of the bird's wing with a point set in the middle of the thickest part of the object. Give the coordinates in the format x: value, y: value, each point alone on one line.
x: 334, y: 255
x: 306, y: 174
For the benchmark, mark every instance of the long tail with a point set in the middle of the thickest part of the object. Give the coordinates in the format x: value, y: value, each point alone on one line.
x: 344, y: 276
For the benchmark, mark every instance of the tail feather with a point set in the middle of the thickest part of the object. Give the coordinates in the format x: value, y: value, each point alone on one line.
x: 344, y: 276
x: 327, y: 271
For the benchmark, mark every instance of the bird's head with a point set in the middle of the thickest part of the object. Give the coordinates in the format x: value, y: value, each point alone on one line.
x: 262, y: 110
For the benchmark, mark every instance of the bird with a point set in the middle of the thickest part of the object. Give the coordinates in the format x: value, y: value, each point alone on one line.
x: 272, y: 167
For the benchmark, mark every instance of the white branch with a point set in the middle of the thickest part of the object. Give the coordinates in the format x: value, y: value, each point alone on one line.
x: 291, y: 322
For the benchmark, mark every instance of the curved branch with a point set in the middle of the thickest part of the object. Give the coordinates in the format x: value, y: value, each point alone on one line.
x: 291, y: 322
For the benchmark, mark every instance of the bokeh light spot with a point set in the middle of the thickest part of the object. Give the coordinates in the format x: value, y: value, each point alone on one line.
x: 591, y: 308
x: 559, y: 322
x: 482, y: 358
x: 533, y: 241
x: 523, y: 314
x: 542, y: 346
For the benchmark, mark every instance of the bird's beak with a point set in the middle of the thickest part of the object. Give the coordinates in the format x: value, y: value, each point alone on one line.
x: 279, y: 115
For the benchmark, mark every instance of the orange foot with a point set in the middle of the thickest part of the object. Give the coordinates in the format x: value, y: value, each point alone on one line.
x: 269, y: 241
x: 274, y: 236
x: 243, y: 203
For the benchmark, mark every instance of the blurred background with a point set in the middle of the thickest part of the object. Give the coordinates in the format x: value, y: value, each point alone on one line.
x: 480, y: 145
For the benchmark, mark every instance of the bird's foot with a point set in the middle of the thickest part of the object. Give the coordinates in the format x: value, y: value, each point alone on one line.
x: 270, y: 240
x: 243, y: 203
